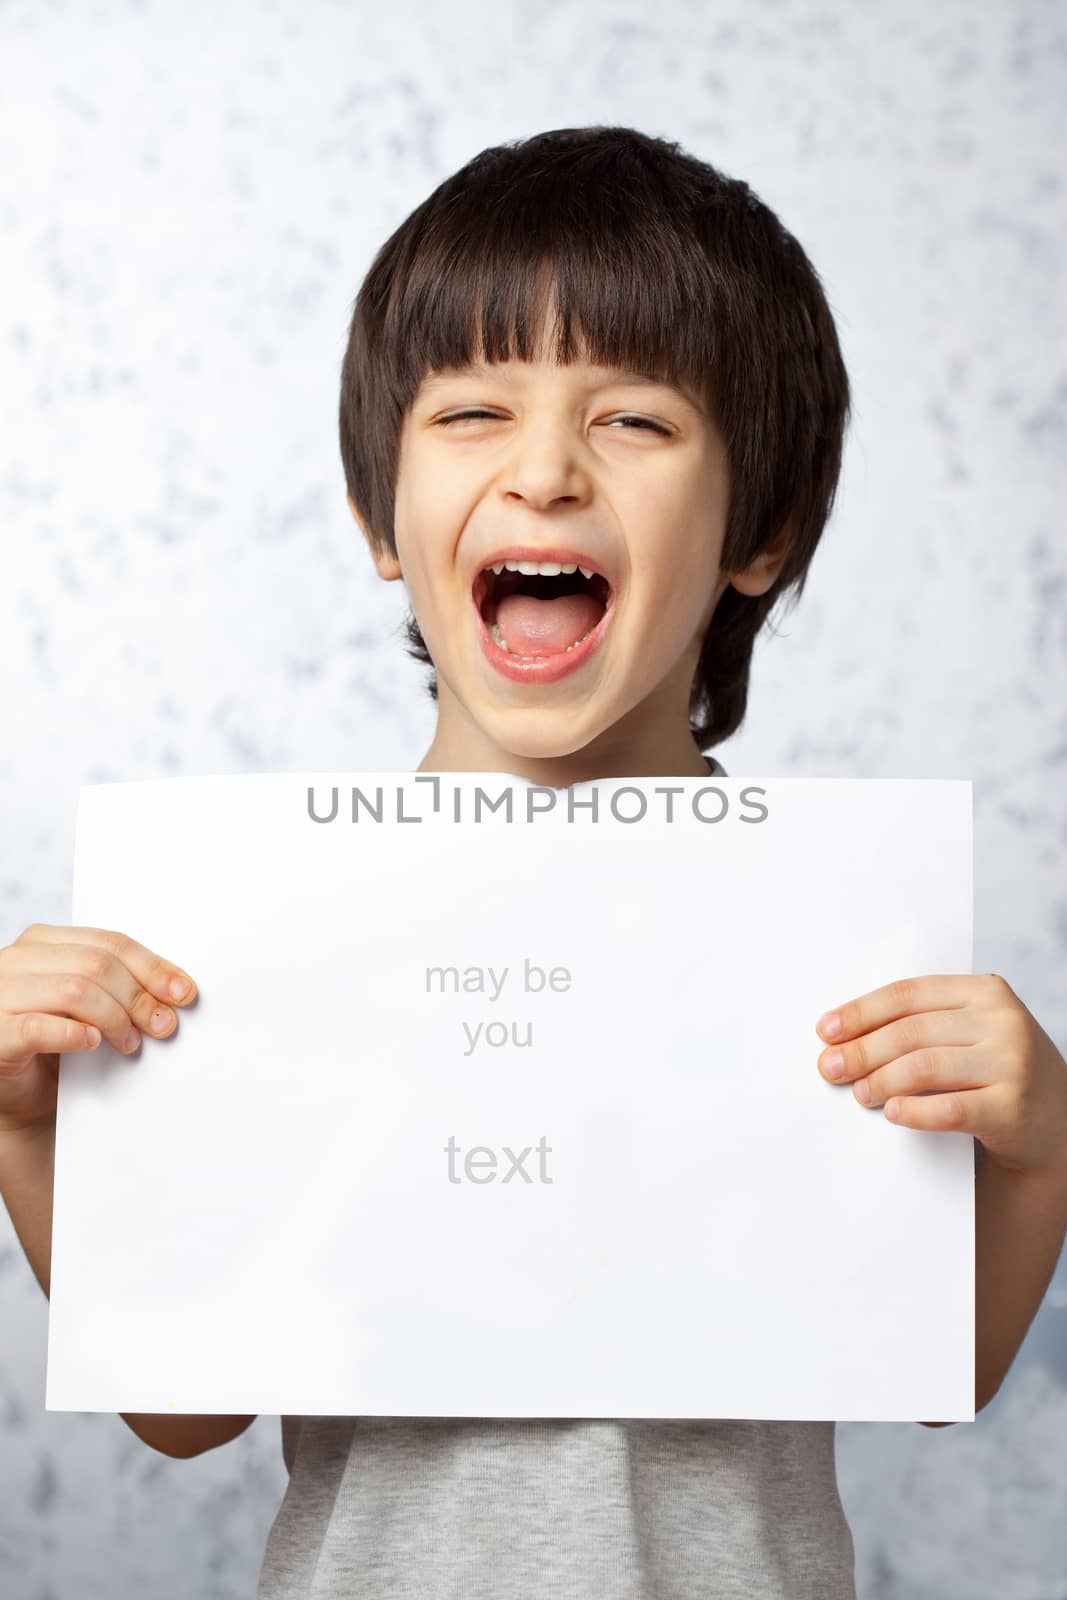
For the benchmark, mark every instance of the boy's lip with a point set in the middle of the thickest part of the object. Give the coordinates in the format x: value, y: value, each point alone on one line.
x: 544, y: 669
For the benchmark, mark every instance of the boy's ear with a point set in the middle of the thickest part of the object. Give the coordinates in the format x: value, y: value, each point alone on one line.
x: 758, y: 576
x: 387, y: 564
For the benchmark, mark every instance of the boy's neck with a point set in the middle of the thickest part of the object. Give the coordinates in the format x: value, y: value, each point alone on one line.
x: 582, y: 766
x: 651, y: 740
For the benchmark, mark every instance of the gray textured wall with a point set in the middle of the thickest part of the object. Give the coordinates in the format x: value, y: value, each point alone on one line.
x: 188, y: 199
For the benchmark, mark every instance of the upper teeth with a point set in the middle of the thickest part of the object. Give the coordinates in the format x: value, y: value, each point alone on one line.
x: 546, y: 569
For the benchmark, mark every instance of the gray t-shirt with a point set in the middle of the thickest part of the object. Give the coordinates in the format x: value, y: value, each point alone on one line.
x: 484, y: 1508
x: 443, y: 1508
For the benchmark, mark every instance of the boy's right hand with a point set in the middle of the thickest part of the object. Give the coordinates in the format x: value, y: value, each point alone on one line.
x: 60, y: 990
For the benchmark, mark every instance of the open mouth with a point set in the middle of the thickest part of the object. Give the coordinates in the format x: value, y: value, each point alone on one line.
x: 537, y: 615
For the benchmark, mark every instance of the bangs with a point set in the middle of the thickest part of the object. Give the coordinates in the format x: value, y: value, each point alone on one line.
x: 490, y: 271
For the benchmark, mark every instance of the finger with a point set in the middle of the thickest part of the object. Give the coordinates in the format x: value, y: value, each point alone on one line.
x: 961, y: 1111
x: 893, y: 1000
x: 38, y: 1032
x: 844, y: 1062
x: 150, y: 970
x: 932, y: 1071
x: 63, y: 994
x: 92, y: 962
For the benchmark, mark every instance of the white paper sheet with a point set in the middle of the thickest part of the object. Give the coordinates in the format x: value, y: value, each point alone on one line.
x: 261, y: 1214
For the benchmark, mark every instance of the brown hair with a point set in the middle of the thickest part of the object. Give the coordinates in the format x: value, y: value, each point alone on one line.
x: 667, y: 267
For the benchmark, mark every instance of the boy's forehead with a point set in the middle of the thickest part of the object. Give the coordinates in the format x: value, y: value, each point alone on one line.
x: 497, y: 369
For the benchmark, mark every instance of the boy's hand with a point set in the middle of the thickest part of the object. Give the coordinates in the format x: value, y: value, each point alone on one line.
x: 957, y: 1054
x: 60, y: 990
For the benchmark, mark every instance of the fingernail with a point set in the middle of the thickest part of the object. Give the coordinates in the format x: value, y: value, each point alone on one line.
x: 159, y: 1021
x: 133, y: 1039
x: 834, y: 1062
x: 179, y: 988
x: 829, y: 1025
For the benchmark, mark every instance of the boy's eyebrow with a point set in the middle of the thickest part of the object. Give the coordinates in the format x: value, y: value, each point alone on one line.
x: 604, y: 376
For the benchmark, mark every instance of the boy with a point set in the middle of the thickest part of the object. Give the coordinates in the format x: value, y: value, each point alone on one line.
x: 592, y: 412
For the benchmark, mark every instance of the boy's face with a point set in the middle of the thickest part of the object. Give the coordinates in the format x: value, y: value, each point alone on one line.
x: 629, y: 474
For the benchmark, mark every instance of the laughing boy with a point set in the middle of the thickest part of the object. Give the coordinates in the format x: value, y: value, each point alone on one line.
x: 592, y: 414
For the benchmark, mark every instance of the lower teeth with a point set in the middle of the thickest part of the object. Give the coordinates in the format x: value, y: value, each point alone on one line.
x: 495, y: 632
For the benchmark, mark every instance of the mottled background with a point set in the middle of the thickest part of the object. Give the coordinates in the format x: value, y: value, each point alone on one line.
x: 189, y: 196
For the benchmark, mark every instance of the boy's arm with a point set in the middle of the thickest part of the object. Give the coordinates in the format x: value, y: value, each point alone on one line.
x: 27, y: 1166
x: 185, y: 1434
x: 1019, y: 1223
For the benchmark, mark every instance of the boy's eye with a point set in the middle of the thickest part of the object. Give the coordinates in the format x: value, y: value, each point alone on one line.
x: 461, y: 416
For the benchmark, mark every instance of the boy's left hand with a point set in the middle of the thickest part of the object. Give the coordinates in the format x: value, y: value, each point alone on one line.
x: 958, y: 1054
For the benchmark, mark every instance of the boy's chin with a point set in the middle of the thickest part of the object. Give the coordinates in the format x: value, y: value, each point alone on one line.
x: 540, y: 749
x: 540, y: 734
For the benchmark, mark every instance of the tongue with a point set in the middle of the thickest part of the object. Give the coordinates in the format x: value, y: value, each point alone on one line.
x: 532, y: 627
